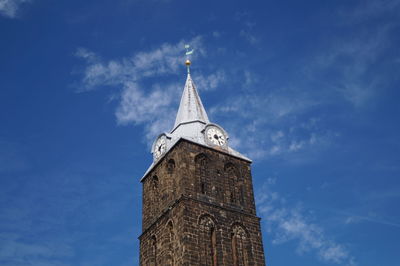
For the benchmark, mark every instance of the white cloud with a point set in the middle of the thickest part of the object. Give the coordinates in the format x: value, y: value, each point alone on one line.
x: 153, y: 109
x: 350, y: 61
x: 370, y: 9
x: 35, y: 230
x: 354, y: 62
x: 288, y: 224
x: 372, y: 218
x: 248, y: 36
x: 216, y: 34
x: 295, y: 146
x: 148, y: 97
x: 277, y: 135
x: 9, y: 8
x: 343, y: 72
x: 146, y: 94
x: 247, y: 32
x: 210, y: 82
x: 166, y: 59
x: 16, y: 251
x: 269, y: 123
x: 340, y: 73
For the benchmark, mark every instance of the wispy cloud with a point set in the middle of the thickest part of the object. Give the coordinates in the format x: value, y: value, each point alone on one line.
x: 17, y: 251
x: 350, y: 61
x: 269, y: 123
x: 147, y: 96
x: 371, y: 9
x: 342, y: 73
x: 292, y: 224
x: 368, y: 208
x: 247, y: 31
x: 248, y: 36
x: 353, y: 62
x: 153, y: 109
x: 355, y: 219
x: 40, y: 214
x: 9, y: 8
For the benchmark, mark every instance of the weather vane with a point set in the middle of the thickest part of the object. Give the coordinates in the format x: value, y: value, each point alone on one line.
x: 188, y: 52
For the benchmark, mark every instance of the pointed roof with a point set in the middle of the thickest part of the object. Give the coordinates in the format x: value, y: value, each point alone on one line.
x: 191, y: 108
x: 190, y: 122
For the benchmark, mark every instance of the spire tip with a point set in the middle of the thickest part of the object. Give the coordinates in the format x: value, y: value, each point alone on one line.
x: 188, y: 63
x: 188, y: 52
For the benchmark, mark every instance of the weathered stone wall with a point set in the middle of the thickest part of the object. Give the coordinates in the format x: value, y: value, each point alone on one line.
x: 225, y: 220
x: 168, y: 249
x: 191, y: 182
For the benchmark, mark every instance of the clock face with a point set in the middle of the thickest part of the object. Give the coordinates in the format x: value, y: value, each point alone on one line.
x: 215, y: 136
x: 160, y: 147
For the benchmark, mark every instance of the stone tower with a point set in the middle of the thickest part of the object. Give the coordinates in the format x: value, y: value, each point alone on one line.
x: 198, y: 202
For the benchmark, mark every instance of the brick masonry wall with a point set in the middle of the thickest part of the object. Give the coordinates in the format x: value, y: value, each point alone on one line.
x: 191, y: 181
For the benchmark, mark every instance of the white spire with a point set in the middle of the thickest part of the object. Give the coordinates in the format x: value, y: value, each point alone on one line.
x: 191, y: 121
x: 191, y: 108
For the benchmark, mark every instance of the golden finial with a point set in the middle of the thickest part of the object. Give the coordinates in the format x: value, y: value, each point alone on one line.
x: 187, y: 62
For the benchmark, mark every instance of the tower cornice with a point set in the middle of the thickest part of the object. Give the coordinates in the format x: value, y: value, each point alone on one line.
x: 188, y: 198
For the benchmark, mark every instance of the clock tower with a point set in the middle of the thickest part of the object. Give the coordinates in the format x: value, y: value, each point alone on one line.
x: 198, y: 201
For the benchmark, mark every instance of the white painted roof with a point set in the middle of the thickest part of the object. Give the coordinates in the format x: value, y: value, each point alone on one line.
x: 191, y: 107
x: 190, y: 123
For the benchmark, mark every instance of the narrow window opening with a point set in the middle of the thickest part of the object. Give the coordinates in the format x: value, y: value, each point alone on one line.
x: 234, y: 250
x: 241, y: 247
x: 207, y: 242
x: 171, y: 238
x: 232, y: 197
x: 155, y: 191
x: 154, y: 251
x: 201, y: 173
x: 170, y: 166
x: 214, y: 246
x: 231, y: 174
x: 155, y: 182
x: 241, y: 194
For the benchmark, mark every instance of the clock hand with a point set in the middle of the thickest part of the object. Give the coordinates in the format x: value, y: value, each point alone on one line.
x: 218, y: 139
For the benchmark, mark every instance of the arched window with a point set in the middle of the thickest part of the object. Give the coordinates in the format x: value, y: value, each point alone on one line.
x: 170, y: 244
x: 232, y: 176
x: 154, y: 183
x: 241, y: 246
x: 170, y: 182
x: 201, y: 163
x: 207, y: 241
x: 170, y: 166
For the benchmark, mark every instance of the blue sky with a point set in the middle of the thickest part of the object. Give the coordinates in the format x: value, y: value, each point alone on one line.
x: 308, y: 89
